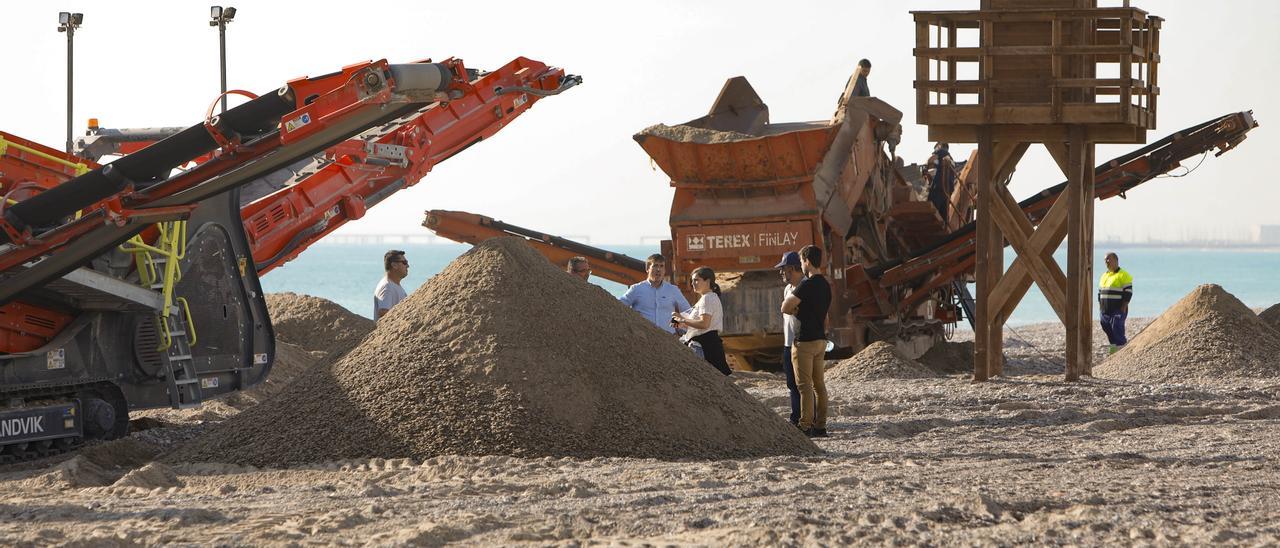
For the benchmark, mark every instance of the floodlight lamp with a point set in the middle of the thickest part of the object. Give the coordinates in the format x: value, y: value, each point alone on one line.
x: 229, y: 13
x: 215, y: 12
x: 64, y: 18
x: 77, y: 19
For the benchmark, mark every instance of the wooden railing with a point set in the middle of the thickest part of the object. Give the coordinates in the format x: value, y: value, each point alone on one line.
x: 1037, y: 66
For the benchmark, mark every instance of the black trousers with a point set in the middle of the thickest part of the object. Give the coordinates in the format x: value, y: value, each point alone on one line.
x: 713, y: 350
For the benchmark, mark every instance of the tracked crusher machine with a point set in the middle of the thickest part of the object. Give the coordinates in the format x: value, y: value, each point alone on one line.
x: 135, y: 284
x: 748, y: 190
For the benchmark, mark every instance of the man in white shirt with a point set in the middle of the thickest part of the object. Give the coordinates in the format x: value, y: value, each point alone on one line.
x: 389, y: 293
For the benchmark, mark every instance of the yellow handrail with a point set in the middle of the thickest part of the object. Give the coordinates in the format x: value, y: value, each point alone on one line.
x: 79, y: 167
x: 191, y: 325
x: 171, y: 243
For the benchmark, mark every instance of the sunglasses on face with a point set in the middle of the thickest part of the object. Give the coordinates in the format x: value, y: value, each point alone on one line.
x: 580, y: 271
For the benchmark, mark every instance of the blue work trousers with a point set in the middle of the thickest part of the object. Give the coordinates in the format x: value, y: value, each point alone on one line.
x: 791, y: 384
x: 1113, y: 326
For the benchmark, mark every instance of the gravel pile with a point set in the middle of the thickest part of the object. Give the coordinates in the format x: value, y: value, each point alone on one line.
x: 949, y: 357
x: 690, y: 134
x: 879, y: 360
x: 1206, y: 337
x: 1271, y: 317
x: 291, y: 363
x: 503, y: 354
x: 316, y: 324
x: 309, y: 331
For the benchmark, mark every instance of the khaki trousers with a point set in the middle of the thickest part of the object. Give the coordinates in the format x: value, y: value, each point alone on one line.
x: 808, y: 365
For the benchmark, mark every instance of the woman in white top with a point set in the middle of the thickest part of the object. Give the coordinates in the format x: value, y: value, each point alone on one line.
x: 705, y: 320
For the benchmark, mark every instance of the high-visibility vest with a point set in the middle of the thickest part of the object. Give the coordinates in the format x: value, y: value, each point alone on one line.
x: 1115, y: 289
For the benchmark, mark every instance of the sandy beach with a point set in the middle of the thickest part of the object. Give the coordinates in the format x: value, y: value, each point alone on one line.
x: 1024, y: 459
x: 289, y: 322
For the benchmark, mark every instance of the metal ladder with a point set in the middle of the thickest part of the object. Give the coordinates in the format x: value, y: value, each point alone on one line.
x: 966, y: 301
x: 159, y: 269
x: 184, y: 381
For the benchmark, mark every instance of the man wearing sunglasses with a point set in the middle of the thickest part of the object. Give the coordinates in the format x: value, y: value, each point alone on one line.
x: 389, y: 293
x: 578, y: 266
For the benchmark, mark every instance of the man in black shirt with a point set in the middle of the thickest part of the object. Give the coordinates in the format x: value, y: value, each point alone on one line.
x: 809, y: 303
x: 860, y: 88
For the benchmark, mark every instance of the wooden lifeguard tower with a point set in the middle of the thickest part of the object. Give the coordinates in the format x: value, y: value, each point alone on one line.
x: 1063, y: 73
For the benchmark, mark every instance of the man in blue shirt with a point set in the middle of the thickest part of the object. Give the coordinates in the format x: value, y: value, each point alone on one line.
x: 653, y: 298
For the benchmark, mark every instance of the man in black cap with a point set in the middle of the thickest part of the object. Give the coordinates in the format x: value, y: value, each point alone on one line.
x: 789, y: 268
x: 809, y: 303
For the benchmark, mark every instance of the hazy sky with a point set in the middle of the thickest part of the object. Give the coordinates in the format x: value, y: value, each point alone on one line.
x: 569, y: 166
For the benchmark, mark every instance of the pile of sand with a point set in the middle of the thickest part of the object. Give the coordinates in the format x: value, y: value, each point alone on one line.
x: 1271, y: 317
x: 879, y: 360
x: 291, y: 362
x: 949, y: 357
x: 151, y: 476
x: 1207, y: 336
x: 309, y: 330
x: 97, y: 465
x: 74, y: 473
x: 503, y: 354
x: 690, y: 134
x: 316, y: 324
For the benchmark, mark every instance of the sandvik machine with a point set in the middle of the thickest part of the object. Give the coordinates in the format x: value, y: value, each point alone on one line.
x: 134, y: 284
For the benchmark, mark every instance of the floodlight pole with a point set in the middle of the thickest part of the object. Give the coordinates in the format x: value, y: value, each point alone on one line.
x: 219, y: 17
x: 222, y: 58
x: 68, y: 23
x: 71, y: 32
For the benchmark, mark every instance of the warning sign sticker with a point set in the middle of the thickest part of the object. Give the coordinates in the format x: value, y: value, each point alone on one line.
x: 298, y: 122
x: 57, y: 359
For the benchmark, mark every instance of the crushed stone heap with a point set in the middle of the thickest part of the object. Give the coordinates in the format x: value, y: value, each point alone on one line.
x: 690, y: 134
x: 1206, y: 337
x: 291, y: 362
x: 949, y: 357
x: 503, y: 354
x: 316, y: 324
x: 879, y: 360
x: 1271, y: 317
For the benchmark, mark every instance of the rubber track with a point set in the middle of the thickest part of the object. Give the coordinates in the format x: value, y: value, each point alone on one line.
x: 9, y: 454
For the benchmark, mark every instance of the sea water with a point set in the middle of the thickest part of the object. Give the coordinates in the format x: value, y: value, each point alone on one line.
x: 347, y: 274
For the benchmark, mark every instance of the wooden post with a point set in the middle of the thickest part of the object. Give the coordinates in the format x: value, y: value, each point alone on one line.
x: 1087, y: 322
x: 1004, y: 158
x: 1152, y: 70
x: 995, y: 268
x: 922, y: 70
x: 951, y: 64
x: 982, y: 257
x: 1078, y: 285
x: 1126, y: 69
